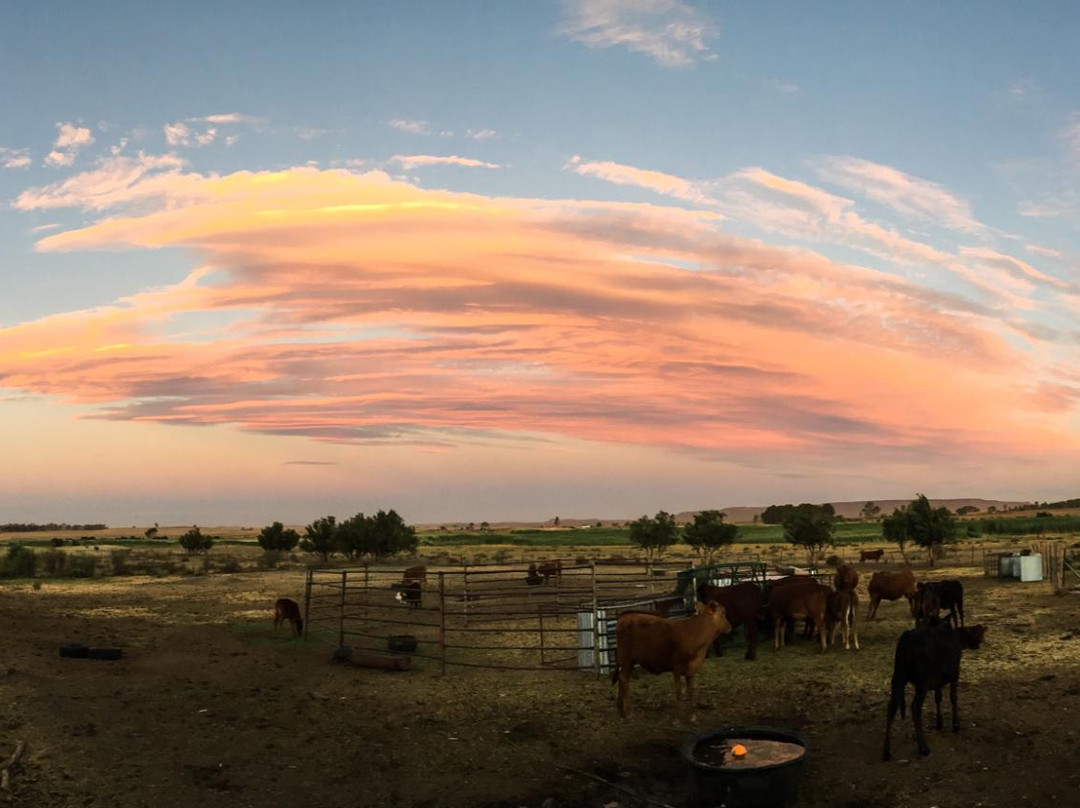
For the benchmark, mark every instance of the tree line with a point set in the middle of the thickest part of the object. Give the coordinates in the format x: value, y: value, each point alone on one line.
x: 31, y: 527
x: 377, y: 536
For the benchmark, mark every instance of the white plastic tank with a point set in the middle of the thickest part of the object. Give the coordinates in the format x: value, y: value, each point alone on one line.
x: 1031, y: 567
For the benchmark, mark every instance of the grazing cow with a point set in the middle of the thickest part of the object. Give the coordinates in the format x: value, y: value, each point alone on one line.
x: 550, y: 569
x: 929, y: 658
x: 950, y: 596
x: 417, y: 574
x: 870, y: 555
x: 890, y: 586
x: 846, y: 578
x: 288, y: 610
x: 662, y: 644
x: 795, y: 601
x: 409, y: 594
x: 841, y: 608
x: 742, y: 604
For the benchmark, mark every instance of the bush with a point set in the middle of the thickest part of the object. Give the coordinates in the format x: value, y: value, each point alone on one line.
x: 57, y: 542
x: 278, y: 537
x: 81, y: 566
x: 270, y: 559
x: 20, y: 562
x: 195, y: 542
x: 55, y: 562
x: 119, y: 559
x: 231, y: 566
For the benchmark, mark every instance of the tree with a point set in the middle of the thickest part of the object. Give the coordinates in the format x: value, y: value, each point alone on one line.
x: 278, y: 537
x: 151, y: 532
x: 390, y: 535
x: 485, y: 527
x: 654, y: 535
x: 195, y: 542
x: 708, y: 534
x: 319, y: 537
x: 929, y: 527
x: 810, y: 527
x: 775, y: 514
x: 895, y: 527
x: 352, y: 538
x: 966, y: 509
x: 870, y: 511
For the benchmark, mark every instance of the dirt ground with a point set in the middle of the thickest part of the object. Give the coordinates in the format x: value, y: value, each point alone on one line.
x: 209, y: 707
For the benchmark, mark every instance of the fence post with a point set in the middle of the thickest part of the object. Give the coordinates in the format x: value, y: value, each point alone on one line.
x: 540, y: 613
x: 596, y: 621
x: 367, y: 590
x: 465, y: 584
x: 442, y: 621
x: 307, y: 603
x: 341, y: 616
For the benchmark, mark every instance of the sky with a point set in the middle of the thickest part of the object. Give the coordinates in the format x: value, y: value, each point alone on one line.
x: 511, y: 261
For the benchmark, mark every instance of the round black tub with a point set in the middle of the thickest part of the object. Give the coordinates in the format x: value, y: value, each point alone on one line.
x: 402, y: 643
x: 718, y: 780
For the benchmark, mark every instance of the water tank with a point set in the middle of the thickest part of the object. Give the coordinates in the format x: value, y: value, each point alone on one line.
x: 1031, y: 567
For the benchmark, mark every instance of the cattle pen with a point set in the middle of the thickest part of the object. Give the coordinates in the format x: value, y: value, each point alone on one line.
x: 495, y: 616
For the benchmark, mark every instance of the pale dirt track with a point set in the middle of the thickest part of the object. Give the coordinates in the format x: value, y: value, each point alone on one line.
x: 208, y: 708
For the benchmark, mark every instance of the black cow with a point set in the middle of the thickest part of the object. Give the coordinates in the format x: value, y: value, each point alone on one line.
x: 742, y: 604
x: 951, y: 597
x: 409, y: 594
x: 929, y: 658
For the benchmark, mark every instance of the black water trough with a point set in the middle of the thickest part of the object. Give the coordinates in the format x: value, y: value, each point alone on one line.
x: 720, y: 780
x: 402, y: 643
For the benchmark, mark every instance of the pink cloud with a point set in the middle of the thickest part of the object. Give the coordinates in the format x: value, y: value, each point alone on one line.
x: 408, y: 162
x: 553, y: 318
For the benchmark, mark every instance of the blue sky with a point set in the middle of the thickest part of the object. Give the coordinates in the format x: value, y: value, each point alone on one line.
x: 805, y: 154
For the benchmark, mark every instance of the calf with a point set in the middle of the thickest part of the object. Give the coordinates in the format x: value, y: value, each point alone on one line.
x: 950, y: 596
x: 890, y: 586
x: 803, y: 600
x: 840, y: 610
x: 550, y: 569
x: 662, y: 644
x: 417, y: 574
x: 926, y: 605
x: 288, y: 610
x: 929, y: 658
x: 870, y: 555
x: 409, y: 594
x: 846, y: 578
x: 742, y: 603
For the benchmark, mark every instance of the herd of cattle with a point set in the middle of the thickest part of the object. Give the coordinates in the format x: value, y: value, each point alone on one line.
x: 927, y: 656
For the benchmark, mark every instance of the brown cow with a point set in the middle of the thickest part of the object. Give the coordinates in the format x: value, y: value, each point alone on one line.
x: 794, y: 601
x: 662, y: 644
x: 550, y: 569
x: 846, y: 578
x: 288, y: 610
x: 890, y: 586
x: 417, y: 574
x: 841, y: 611
x: 870, y: 555
x: 788, y: 580
x: 742, y: 604
x: 926, y: 604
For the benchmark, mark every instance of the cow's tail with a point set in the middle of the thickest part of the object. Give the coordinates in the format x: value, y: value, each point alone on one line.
x: 615, y: 673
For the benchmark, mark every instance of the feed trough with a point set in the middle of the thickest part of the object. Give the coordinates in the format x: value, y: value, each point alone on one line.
x: 402, y: 643
x: 744, y: 767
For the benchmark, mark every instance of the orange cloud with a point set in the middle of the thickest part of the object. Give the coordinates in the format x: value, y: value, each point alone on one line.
x: 354, y: 308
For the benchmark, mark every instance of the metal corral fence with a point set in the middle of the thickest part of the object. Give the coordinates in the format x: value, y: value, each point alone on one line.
x: 493, y: 617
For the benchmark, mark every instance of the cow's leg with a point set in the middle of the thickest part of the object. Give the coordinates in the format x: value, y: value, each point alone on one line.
x: 955, y: 710
x: 678, y: 686
x: 690, y: 697
x: 938, y: 724
x: 854, y: 614
x: 960, y: 607
x: 895, y: 700
x: 751, y: 639
x: 624, y: 689
x: 779, y: 624
x: 819, y: 624
x: 916, y: 717
x: 874, y: 601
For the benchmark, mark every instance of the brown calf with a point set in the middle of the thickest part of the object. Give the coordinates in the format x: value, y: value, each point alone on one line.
x: 661, y: 644
x: 288, y: 610
x: 870, y: 555
x: 417, y: 574
x: 550, y: 569
x: 841, y: 611
x: 846, y: 578
x: 795, y: 601
x: 890, y: 586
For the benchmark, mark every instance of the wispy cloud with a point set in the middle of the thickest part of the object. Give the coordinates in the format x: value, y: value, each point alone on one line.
x: 14, y: 158
x: 785, y: 87
x: 115, y: 180
x: 410, y: 161
x: 656, y: 181
x: 672, y: 33
x: 904, y: 193
x: 69, y: 140
x: 231, y: 117
x: 601, y: 321
x: 410, y: 126
x: 481, y: 134
x: 182, y: 134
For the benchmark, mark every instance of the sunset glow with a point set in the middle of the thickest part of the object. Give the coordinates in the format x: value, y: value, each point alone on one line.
x: 462, y: 311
